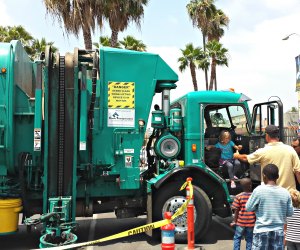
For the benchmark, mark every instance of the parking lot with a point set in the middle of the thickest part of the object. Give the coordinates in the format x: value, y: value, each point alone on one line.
x: 218, y: 237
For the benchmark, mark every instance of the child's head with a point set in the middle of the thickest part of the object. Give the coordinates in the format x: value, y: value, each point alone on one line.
x: 225, y: 137
x: 246, y: 184
x: 270, y: 173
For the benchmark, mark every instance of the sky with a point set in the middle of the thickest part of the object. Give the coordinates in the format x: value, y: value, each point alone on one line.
x: 261, y: 64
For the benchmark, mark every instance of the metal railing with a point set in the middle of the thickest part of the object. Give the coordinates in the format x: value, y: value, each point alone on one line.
x: 289, y: 134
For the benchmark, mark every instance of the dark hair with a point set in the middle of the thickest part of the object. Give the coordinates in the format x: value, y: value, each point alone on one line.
x: 271, y: 172
x: 246, y: 184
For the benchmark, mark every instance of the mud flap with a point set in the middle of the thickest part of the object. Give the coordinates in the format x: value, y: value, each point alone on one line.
x: 149, y: 213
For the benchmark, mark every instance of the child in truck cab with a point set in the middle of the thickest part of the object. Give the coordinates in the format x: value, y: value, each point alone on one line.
x: 227, y: 145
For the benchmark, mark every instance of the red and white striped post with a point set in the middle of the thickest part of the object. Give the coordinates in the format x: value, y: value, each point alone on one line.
x: 168, y: 234
x: 190, y: 216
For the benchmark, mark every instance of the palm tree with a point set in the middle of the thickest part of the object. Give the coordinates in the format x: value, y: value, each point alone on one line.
x: 192, y: 58
x: 33, y: 47
x: 105, y: 41
x: 215, y: 32
x: 3, y: 33
x: 294, y: 109
x: 8, y: 33
x: 77, y: 15
x: 119, y: 13
x: 216, y: 25
x: 201, y: 12
x: 130, y: 43
x: 219, y: 56
x: 39, y: 46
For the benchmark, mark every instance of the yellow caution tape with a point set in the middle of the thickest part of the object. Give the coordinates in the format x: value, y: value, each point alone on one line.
x: 188, y: 183
x: 136, y: 230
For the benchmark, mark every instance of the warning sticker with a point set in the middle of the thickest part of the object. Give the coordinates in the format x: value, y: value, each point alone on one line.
x: 37, y: 145
x: 128, y: 161
x: 120, y: 118
x: 37, y: 133
x: 121, y: 94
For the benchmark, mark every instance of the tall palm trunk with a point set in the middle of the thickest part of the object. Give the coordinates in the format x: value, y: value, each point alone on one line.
x: 216, y: 79
x: 193, y: 74
x: 213, y: 74
x: 204, y: 48
x: 87, y: 38
x: 114, y: 38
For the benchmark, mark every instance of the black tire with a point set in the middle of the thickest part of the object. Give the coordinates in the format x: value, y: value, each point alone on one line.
x: 169, y: 198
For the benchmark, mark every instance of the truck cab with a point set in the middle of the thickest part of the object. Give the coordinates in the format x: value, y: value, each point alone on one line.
x: 203, y: 115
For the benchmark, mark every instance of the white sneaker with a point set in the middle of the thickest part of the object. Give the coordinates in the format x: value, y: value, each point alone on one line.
x: 232, y: 184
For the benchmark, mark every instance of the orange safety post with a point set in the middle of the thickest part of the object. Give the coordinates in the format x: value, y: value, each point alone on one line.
x: 168, y: 234
x: 190, y: 216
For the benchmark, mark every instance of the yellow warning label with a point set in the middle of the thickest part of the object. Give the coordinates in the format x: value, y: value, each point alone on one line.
x: 121, y: 94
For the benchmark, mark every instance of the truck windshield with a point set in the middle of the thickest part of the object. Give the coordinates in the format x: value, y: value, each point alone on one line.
x: 231, y: 116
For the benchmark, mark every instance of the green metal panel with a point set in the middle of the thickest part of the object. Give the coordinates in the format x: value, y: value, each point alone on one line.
x: 5, y: 82
x: 116, y: 144
x: 75, y: 146
x: 83, y: 111
x: 15, y: 101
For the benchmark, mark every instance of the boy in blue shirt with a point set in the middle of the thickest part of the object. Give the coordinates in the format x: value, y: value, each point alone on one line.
x: 272, y: 205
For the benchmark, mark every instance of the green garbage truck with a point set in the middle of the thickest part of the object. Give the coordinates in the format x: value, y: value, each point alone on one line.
x: 72, y: 128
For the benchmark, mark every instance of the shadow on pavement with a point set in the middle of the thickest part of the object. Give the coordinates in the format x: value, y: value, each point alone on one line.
x: 99, y: 228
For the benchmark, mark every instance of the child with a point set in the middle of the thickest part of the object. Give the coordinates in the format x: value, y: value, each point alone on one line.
x: 272, y: 205
x: 227, y: 146
x: 244, y: 221
x: 293, y: 226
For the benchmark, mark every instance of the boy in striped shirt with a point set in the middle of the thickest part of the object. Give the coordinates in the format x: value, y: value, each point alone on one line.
x: 293, y: 226
x: 272, y: 205
x: 244, y: 221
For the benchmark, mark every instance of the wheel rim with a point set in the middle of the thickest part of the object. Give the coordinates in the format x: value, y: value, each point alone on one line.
x: 172, y: 205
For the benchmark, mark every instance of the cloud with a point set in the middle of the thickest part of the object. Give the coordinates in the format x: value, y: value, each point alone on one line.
x: 262, y: 62
x: 4, y: 17
x: 173, y: 20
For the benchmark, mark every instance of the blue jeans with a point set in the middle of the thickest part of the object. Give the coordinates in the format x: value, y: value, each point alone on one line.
x: 239, y: 233
x: 232, y: 165
x: 268, y: 240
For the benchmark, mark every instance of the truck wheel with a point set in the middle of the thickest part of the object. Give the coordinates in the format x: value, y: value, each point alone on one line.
x: 169, y: 198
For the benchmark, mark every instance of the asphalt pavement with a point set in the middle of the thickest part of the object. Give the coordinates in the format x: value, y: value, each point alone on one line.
x: 219, y: 236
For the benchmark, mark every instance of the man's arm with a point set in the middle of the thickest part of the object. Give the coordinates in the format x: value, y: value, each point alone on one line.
x: 241, y: 157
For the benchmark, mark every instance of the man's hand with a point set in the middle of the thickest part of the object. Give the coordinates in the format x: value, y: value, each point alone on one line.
x: 236, y: 155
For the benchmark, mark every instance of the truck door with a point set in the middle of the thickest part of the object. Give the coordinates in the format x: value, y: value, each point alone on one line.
x: 267, y: 113
x: 264, y: 114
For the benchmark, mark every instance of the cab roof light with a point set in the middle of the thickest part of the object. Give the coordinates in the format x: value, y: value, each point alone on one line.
x: 229, y: 89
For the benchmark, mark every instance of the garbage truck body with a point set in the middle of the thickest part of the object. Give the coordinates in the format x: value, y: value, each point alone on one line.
x: 73, y: 126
